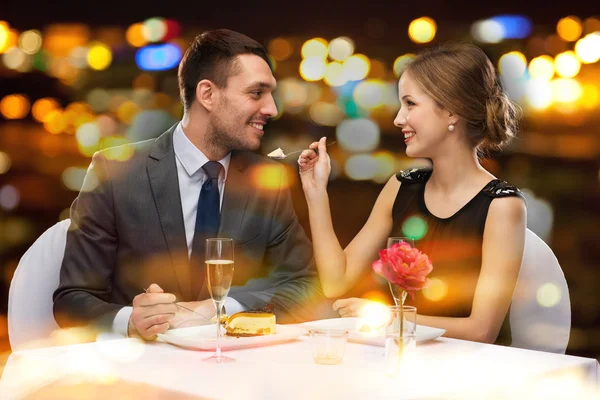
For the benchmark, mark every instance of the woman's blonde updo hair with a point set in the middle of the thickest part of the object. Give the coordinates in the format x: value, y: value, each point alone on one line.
x: 462, y: 79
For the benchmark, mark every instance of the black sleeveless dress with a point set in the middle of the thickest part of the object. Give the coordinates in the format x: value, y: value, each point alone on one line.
x: 453, y: 244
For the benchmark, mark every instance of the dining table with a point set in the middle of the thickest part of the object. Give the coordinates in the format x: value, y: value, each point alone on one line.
x: 442, y: 368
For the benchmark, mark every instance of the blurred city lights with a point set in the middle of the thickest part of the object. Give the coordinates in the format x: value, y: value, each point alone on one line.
x: 88, y: 135
x: 292, y: 92
x: 548, y: 295
x: 361, y: 167
x: 5, y: 162
x: 8, y: 37
x: 538, y: 93
x: 487, y: 31
x: 15, y: 58
x: 9, y: 197
x: 107, y: 125
x: 127, y: 111
x: 14, y: 106
x: 402, y: 62
x: 117, y: 148
x: 435, y: 290
x: 98, y: 99
x: 144, y: 81
x: 78, y: 57
x: 161, y: 100
x: 356, y: 67
x: 54, y: 122
x: 341, y: 48
x: 422, y: 30
x: 42, y: 107
x: 358, y: 135
x: 149, y: 124
x: 4, y: 32
x: 280, y: 49
x: 386, y: 166
x: 30, y: 41
x: 555, y: 44
x: 269, y: 177
x: 512, y: 64
x: 325, y: 113
x: 514, y: 26
x: 541, y: 67
x: 63, y: 69
x: 315, y: 48
x: 135, y: 35
x: 370, y: 94
x: 588, y: 48
x: 99, y: 56
x: 591, y: 24
x: 154, y: 29
x: 73, y: 177
x: 566, y: 90
x: 590, y: 98
x: 567, y: 64
x: 334, y: 74
x: 569, y: 28
x: 313, y: 68
x: 173, y: 30
x: 414, y: 227
x: 60, y: 39
x: 158, y: 57
x: 378, y: 70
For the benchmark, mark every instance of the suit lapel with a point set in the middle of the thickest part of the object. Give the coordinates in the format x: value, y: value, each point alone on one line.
x: 162, y: 173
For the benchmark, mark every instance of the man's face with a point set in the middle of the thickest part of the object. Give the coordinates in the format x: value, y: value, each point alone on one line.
x: 244, y: 106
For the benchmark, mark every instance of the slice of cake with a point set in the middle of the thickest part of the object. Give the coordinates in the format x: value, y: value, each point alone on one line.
x: 251, y: 323
x: 277, y: 154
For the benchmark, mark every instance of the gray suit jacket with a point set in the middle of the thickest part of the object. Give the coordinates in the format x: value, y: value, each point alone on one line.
x: 127, y: 232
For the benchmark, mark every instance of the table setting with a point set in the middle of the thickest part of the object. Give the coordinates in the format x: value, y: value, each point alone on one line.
x: 383, y: 354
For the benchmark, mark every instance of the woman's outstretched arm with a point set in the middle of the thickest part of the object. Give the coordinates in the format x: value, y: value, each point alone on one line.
x: 341, y: 269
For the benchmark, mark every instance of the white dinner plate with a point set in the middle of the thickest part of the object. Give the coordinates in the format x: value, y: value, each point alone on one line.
x: 377, y: 338
x: 205, y: 337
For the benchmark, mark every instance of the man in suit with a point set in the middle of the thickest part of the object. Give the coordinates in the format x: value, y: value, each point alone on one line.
x: 139, y: 226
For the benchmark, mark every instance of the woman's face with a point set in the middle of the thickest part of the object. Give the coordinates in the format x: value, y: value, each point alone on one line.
x: 423, y: 123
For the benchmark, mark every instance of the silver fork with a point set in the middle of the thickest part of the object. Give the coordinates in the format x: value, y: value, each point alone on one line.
x: 298, y: 151
x: 185, y: 308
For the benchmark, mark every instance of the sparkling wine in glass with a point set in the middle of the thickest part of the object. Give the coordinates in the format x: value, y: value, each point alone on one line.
x: 219, y: 274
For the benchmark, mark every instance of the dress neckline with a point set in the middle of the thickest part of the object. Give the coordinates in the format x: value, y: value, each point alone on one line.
x: 460, y: 210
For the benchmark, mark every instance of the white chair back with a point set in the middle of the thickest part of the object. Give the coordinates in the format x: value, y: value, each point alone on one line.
x: 540, y: 313
x: 30, y: 305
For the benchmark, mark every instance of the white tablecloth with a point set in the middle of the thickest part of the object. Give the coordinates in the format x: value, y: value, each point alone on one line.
x: 444, y: 368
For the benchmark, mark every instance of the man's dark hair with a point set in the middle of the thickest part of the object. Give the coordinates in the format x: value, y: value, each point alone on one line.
x: 212, y: 55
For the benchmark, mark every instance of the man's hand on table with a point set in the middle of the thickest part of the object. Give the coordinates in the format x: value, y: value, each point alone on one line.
x: 152, y: 312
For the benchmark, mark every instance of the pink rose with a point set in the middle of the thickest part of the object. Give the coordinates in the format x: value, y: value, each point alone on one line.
x: 403, y: 266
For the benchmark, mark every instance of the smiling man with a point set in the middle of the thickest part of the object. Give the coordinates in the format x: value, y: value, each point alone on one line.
x: 144, y: 222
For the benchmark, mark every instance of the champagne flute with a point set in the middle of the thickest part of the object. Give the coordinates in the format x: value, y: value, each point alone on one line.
x: 219, y: 274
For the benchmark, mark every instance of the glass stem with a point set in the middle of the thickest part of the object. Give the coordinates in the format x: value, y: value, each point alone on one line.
x: 218, y: 328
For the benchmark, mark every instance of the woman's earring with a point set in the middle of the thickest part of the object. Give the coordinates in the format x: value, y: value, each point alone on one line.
x: 451, y: 127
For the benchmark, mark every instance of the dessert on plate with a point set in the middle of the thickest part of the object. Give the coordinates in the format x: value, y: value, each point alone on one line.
x: 251, y: 323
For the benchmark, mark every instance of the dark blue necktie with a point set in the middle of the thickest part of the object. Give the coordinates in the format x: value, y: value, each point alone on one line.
x: 208, y: 217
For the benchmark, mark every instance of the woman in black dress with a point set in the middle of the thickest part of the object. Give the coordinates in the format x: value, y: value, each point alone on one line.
x: 452, y: 110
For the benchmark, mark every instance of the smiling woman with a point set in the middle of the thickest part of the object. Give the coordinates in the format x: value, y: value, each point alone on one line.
x: 452, y: 107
